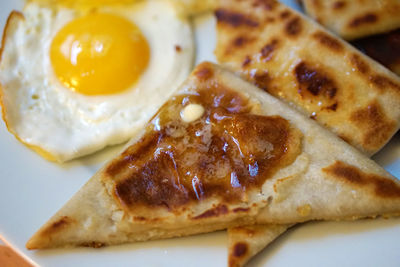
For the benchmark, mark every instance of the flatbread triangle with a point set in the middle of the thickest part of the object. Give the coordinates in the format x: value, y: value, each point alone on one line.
x: 293, y: 58
x: 219, y: 154
x: 354, y: 19
x: 244, y: 242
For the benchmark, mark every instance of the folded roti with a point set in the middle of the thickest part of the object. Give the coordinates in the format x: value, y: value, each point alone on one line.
x: 221, y: 153
x: 296, y: 60
x: 244, y: 242
x: 377, y: 23
x: 352, y: 19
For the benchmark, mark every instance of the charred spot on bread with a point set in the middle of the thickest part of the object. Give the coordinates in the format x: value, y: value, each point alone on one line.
x: 339, y: 5
x: 293, y: 27
x: 359, y: 63
x: 285, y: 14
x: 127, y: 158
x: 58, y: 225
x: 368, y: 18
x: 204, y: 72
x: 235, y: 19
x: 239, y: 42
x: 328, y: 41
x: 382, y: 186
x: 313, y: 81
x: 240, y: 249
x: 268, y: 50
x: 332, y: 107
x: 382, y: 82
x: 246, y: 61
x: 375, y: 125
x: 261, y: 79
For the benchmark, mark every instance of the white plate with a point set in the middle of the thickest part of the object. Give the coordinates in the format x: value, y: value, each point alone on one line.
x: 32, y: 190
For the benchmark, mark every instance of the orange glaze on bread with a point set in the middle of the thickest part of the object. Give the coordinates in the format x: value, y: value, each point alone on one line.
x: 222, y: 154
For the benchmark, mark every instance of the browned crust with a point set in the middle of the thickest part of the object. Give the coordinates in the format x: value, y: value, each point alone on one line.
x: 293, y: 27
x: 382, y: 186
x: 328, y: 41
x: 368, y: 18
x: 46, y: 233
x: 359, y: 63
x: 204, y: 73
x: 240, y: 249
x: 376, y: 126
x: 314, y: 81
x: 321, y: 91
x: 382, y: 82
x: 268, y: 50
x: 238, y: 253
x: 339, y: 5
x: 235, y: 19
x: 142, y: 177
x: 57, y: 226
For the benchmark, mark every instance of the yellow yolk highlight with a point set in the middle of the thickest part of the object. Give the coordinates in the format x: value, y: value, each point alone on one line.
x: 99, y: 54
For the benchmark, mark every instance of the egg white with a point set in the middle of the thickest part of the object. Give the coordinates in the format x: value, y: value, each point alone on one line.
x: 41, y: 112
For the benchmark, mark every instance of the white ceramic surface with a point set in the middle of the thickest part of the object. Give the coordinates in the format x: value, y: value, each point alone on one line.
x: 32, y: 190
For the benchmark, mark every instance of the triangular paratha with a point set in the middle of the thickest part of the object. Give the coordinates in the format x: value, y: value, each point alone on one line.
x: 219, y: 154
x: 352, y: 19
x: 374, y: 26
x: 294, y: 59
x: 244, y: 242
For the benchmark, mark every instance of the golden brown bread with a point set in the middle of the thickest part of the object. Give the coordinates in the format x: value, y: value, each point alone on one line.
x: 353, y: 19
x: 246, y: 242
x: 377, y: 23
x: 243, y: 158
x: 294, y: 59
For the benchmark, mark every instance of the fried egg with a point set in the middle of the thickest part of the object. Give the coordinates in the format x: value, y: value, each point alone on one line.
x: 76, y: 80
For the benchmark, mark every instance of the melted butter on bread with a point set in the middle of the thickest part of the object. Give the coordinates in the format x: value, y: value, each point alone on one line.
x: 192, y: 112
x: 220, y: 149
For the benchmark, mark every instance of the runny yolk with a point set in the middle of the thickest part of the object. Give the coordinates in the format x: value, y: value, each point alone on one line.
x: 99, y: 54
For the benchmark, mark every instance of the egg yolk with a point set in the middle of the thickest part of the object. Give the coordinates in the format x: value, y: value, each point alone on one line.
x: 99, y: 54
